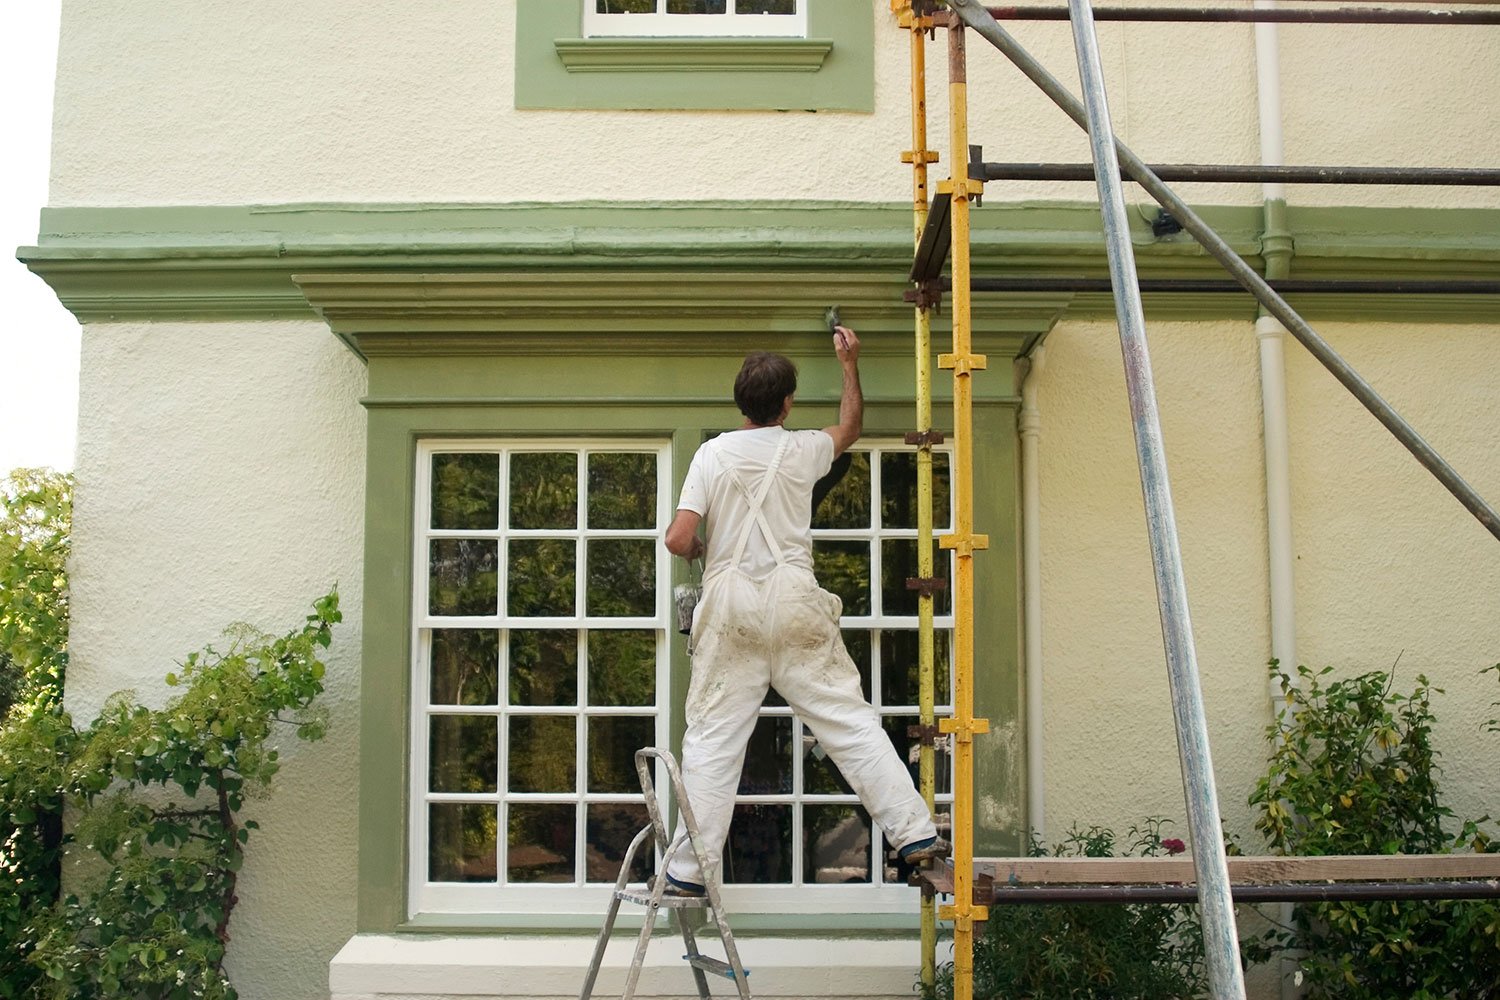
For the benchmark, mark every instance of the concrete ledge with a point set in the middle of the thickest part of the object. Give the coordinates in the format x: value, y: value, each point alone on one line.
x: 421, y: 967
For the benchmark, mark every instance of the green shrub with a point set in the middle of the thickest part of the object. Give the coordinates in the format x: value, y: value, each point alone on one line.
x: 36, y: 508
x: 1353, y: 771
x: 1088, y: 951
x: 157, y: 795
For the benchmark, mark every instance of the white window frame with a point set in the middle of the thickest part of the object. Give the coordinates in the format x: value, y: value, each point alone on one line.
x: 876, y: 896
x: 663, y: 25
x: 579, y: 896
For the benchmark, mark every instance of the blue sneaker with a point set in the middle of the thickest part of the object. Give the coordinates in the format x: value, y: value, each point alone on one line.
x: 921, y: 851
x: 677, y: 887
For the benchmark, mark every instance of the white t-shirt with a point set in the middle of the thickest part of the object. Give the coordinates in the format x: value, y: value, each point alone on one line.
x: 709, y: 491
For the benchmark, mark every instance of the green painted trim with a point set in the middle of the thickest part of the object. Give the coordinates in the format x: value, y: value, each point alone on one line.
x: 384, y: 692
x: 692, y: 55
x: 831, y: 70
x: 671, y: 409
x: 634, y: 268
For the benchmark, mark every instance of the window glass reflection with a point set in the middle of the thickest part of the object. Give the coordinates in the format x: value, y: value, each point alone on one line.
x: 466, y: 491
x: 544, y: 490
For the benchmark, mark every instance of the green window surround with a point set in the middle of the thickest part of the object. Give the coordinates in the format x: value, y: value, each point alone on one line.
x: 832, y: 69
x: 422, y: 397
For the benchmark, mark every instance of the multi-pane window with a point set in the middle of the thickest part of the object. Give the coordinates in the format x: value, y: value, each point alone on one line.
x: 540, y: 650
x: 797, y: 822
x: 703, y: 18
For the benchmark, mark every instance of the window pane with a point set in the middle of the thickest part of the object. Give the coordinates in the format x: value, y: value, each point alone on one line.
x: 896, y: 727
x: 765, y: 6
x: 542, y: 757
x: 841, y: 499
x: 462, y: 576
x: 898, y: 563
x: 541, y: 577
x: 543, y: 667
x: 544, y: 490
x: 540, y: 845
x: 613, y: 741
x: 626, y: 6
x: 768, y: 760
x: 695, y: 6
x: 463, y: 753
x: 465, y: 666
x: 843, y: 568
x: 466, y: 491
x: 622, y: 667
x: 461, y: 842
x: 899, y: 663
x: 836, y: 844
x: 898, y: 488
x: 622, y: 490
x: 622, y: 577
x: 611, y: 827
x: 759, y: 849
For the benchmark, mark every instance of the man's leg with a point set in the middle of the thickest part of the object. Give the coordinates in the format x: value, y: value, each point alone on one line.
x: 818, y: 679
x: 729, y: 682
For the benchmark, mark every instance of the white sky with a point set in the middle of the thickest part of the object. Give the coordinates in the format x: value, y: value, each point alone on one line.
x: 38, y: 337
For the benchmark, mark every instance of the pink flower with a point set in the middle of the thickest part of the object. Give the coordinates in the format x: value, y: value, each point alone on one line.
x: 1173, y: 845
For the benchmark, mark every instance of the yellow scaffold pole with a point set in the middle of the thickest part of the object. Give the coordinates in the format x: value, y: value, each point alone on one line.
x: 963, y: 541
x: 919, y: 156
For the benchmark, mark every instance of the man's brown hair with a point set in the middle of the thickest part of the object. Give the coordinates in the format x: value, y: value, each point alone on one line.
x: 762, y: 386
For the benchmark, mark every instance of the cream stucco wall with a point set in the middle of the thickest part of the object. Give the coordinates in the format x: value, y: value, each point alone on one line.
x: 218, y: 102
x: 1387, y: 563
x: 221, y: 479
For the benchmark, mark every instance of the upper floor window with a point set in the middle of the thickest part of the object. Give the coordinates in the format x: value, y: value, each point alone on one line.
x: 695, y: 18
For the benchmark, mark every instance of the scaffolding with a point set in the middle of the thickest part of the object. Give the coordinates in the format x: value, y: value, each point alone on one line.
x: 941, y: 232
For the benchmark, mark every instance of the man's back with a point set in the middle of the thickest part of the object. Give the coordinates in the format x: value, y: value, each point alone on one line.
x: 710, y: 490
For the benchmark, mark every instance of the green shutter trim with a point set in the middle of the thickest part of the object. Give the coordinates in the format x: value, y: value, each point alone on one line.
x: 833, y: 69
x: 620, y: 264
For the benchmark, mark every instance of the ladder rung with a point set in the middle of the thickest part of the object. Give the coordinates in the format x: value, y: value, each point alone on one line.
x: 713, y: 965
x: 642, y: 897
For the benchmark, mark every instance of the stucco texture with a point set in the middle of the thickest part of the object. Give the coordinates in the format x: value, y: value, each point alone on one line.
x: 221, y: 479
x: 218, y: 102
x: 1388, y: 565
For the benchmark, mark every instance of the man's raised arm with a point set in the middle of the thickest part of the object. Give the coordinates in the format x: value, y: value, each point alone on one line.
x: 852, y: 403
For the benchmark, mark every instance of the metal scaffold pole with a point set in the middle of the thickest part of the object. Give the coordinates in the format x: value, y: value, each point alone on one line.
x: 919, y: 156
x: 963, y: 541
x: 1216, y: 907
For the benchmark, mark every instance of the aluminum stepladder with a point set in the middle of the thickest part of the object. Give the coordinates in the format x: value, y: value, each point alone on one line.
x: 653, y: 896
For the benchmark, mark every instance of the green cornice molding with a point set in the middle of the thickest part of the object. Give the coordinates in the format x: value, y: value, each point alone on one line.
x: 692, y: 261
x: 692, y: 55
x: 626, y: 313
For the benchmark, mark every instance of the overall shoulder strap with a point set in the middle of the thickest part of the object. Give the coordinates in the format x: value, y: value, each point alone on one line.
x: 757, y: 505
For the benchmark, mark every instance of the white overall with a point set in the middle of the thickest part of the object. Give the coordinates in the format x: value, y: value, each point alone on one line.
x: 781, y: 631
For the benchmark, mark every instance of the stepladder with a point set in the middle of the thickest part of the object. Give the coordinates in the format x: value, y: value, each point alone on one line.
x: 654, y: 898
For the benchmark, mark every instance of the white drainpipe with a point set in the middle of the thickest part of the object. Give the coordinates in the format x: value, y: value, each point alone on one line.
x: 1276, y: 248
x: 1031, y: 583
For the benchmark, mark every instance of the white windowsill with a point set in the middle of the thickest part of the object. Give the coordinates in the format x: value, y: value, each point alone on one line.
x: 372, y: 966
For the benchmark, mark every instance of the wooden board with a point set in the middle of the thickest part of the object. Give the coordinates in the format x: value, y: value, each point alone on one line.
x: 1242, y: 870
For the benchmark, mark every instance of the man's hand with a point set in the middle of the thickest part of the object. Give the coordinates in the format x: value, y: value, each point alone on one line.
x: 852, y: 401
x: 846, y: 345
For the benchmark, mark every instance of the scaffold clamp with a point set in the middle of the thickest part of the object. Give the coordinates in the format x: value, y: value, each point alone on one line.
x: 924, y: 439
x: 927, y: 295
